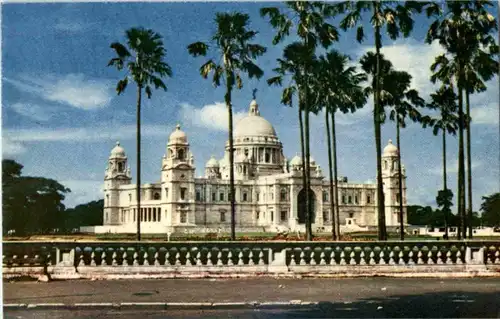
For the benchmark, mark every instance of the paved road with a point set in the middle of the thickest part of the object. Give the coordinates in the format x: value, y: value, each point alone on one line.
x: 359, y: 297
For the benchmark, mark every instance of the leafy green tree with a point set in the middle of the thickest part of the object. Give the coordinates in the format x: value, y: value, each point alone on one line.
x: 445, y: 101
x: 490, y: 210
x: 339, y: 89
x: 143, y: 58
x: 397, y: 18
x: 88, y: 214
x: 465, y: 29
x: 30, y: 204
x: 237, y: 56
x: 310, y: 22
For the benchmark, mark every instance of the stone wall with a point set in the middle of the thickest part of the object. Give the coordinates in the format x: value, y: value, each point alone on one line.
x: 66, y: 260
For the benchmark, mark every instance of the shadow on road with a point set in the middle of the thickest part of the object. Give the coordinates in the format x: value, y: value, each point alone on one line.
x: 451, y: 304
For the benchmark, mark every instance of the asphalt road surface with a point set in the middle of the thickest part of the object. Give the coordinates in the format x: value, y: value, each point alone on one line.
x: 337, y: 298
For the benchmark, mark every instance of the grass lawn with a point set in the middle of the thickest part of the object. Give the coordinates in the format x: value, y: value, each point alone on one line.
x: 361, y: 236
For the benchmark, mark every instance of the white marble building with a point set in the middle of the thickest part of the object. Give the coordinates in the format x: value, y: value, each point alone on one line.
x: 268, y: 188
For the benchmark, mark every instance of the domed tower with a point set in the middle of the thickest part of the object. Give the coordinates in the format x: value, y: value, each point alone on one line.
x: 256, y: 145
x: 117, y: 173
x: 296, y: 164
x: 212, y: 168
x: 177, y: 179
x: 391, y: 184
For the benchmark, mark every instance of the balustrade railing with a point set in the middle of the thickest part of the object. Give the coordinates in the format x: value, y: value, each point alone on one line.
x: 260, y: 257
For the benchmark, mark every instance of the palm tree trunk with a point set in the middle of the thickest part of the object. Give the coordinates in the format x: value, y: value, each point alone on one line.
x: 303, y: 154
x: 308, y: 170
x: 382, y: 232
x: 329, y: 141
x: 138, y: 188
x: 231, y: 163
x: 469, y: 166
x: 461, y: 179
x: 445, y: 186
x: 400, y: 182
x: 335, y: 175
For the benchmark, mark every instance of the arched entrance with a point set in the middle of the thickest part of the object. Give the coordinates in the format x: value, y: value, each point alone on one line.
x: 301, y: 205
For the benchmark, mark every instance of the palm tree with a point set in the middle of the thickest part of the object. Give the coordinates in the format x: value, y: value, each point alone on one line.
x: 340, y: 90
x: 298, y: 64
x: 309, y: 20
x: 403, y: 102
x: 237, y: 56
x: 464, y: 30
x: 445, y: 100
x: 142, y: 57
x: 397, y: 18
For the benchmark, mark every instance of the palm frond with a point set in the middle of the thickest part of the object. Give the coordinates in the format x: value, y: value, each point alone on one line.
x: 197, y: 49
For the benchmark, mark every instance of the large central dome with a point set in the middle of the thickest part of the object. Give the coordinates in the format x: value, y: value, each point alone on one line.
x: 253, y: 124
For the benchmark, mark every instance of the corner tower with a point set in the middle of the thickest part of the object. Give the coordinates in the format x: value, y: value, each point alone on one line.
x: 177, y: 180
x: 117, y: 173
x: 391, y: 185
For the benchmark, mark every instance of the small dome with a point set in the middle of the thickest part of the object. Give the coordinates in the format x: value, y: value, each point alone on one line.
x: 390, y: 149
x: 296, y: 161
x: 312, y: 161
x: 178, y: 136
x: 212, y: 162
x: 118, y: 151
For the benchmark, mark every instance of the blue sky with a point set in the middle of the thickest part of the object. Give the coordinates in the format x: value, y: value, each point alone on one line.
x: 61, y: 115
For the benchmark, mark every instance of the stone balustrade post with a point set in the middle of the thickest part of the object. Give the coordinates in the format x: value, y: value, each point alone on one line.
x: 474, y: 255
x: 474, y: 259
x: 277, y: 260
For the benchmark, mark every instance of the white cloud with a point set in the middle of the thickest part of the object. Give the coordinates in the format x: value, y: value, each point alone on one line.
x: 72, y: 89
x: 89, y: 134
x: 487, y: 115
x: 11, y: 148
x: 415, y: 58
x: 211, y: 116
x: 82, y: 191
x: 452, y: 168
x: 33, y: 111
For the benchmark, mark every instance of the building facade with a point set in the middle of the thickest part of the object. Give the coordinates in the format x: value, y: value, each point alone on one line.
x: 268, y: 188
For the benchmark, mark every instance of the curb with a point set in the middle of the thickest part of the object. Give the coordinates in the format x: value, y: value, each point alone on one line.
x: 161, y: 305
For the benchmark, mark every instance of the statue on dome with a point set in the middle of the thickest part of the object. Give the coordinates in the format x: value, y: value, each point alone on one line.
x: 254, y: 94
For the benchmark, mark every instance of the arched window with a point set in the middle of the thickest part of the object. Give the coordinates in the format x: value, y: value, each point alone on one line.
x: 325, y: 196
x: 120, y: 166
x: 385, y: 164
x: 283, y: 195
x: 107, y: 200
x: 180, y: 154
x: 156, y: 196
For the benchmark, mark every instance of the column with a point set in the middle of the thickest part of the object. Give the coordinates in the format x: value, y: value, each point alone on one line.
x: 293, y: 207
